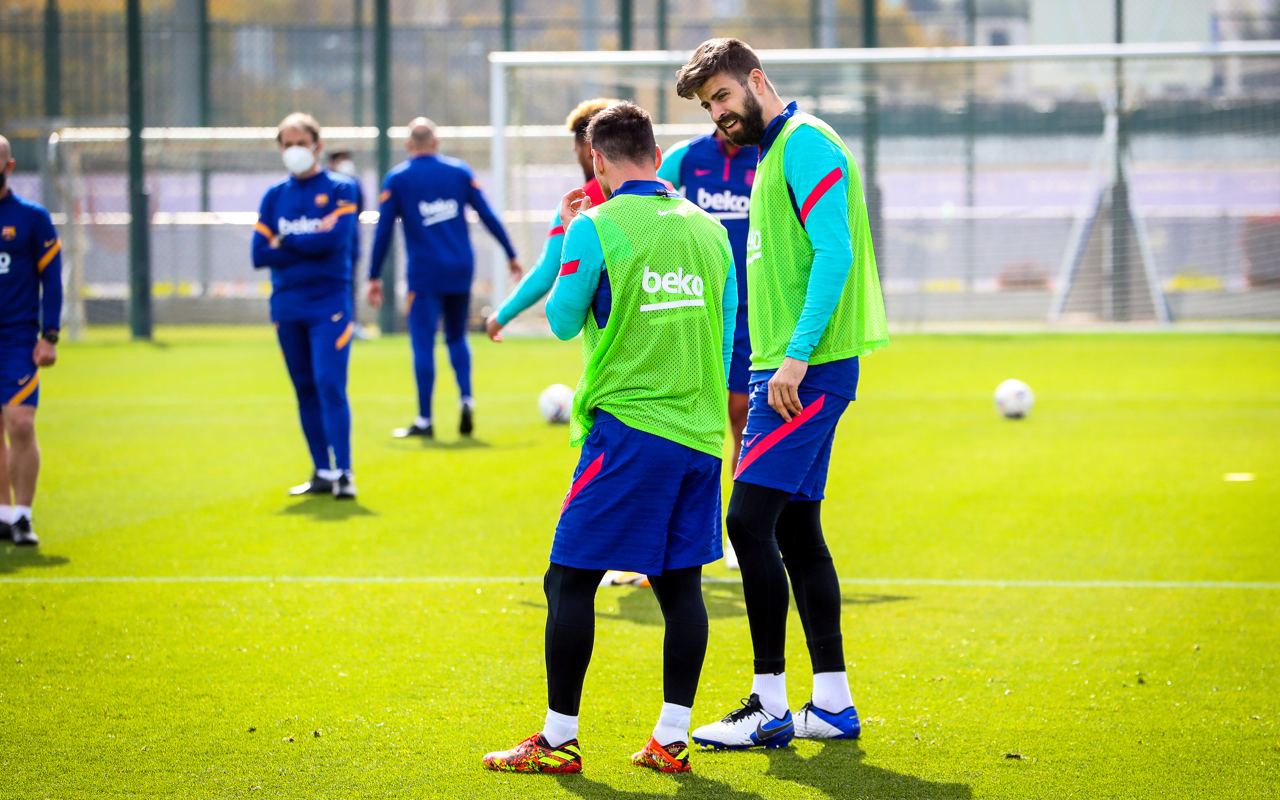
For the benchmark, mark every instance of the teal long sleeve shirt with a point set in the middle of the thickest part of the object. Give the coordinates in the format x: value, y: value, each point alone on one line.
x: 585, y: 289
x: 817, y: 174
x: 539, y: 280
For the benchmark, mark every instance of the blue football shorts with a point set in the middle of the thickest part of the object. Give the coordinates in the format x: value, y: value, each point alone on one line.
x: 639, y: 503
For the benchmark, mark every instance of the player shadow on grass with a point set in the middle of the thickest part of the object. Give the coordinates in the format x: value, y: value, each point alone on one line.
x: 723, y: 600
x: 465, y: 443
x: 689, y: 786
x: 418, y: 443
x: 839, y: 769
x: 326, y: 509
x: 14, y: 559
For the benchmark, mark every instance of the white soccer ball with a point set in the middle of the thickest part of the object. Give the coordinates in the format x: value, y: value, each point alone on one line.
x: 555, y: 403
x: 1014, y: 399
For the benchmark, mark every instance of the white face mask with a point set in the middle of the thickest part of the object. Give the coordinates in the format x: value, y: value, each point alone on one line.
x: 346, y: 167
x: 298, y: 159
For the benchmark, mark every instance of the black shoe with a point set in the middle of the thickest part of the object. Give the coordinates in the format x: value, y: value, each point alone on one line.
x: 425, y: 431
x: 316, y: 485
x: 344, y: 488
x: 23, y: 536
x: 6, y: 532
x: 467, y: 423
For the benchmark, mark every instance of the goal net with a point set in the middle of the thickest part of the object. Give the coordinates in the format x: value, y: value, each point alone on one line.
x: 1006, y: 185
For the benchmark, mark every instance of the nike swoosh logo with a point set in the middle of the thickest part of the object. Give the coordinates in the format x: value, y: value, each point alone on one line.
x: 671, y: 211
x: 764, y: 734
x: 50, y: 243
x: 701, y: 172
x: 336, y: 317
x: 747, y: 446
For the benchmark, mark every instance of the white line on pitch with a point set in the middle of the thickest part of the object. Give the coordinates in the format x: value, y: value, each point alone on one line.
x: 981, y: 583
x: 1060, y: 584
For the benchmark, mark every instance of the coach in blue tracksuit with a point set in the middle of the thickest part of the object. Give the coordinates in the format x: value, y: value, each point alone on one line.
x: 430, y: 192
x: 304, y: 235
x: 30, y: 309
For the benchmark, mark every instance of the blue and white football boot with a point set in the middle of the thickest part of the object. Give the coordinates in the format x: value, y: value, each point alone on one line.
x: 749, y: 726
x: 815, y: 723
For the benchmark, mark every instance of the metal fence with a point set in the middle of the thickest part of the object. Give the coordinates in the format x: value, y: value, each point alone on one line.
x: 208, y: 67
x: 993, y: 213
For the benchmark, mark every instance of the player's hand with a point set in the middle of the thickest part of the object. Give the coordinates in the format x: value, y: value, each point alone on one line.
x: 513, y: 266
x: 46, y: 353
x: 374, y: 293
x: 572, y: 204
x: 493, y: 327
x: 784, y: 388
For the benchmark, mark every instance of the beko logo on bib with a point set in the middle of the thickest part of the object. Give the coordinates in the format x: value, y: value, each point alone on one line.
x: 673, y: 283
x: 723, y: 201
x: 437, y: 211
x: 300, y: 225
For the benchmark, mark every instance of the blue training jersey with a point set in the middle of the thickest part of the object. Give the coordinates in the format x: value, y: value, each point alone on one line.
x: 311, y: 268
x: 431, y: 193
x: 30, y: 271
x: 717, y: 177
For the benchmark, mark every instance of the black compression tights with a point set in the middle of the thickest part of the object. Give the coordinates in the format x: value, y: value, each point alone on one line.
x: 775, y: 537
x: 571, y: 628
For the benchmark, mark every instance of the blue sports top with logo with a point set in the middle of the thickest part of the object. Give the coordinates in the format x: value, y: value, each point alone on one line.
x: 431, y: 193
x: 30, y: 271
x: 716, y: 177
x: 311, y: 220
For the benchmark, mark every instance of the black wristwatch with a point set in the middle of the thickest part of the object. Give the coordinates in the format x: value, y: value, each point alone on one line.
x: 50, y: 336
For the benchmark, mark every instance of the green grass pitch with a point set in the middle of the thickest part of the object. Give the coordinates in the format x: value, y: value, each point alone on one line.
x: 1074, y: 605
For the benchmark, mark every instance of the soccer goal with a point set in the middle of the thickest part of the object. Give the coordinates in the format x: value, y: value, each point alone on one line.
x: 1023, y: 185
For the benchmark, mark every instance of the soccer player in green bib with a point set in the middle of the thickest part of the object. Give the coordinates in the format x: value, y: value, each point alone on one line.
x: 646, y: 278
x: 815, y: 308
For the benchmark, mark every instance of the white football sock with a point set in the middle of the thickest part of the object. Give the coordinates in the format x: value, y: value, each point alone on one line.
x: 6, y: 515
x: 831, y: 691
x: 559, y: 728
x: 423, y: 422
x: 21, y: 512
x: 673, y: 724
x: 329, y: 474
x: 772, y: 689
